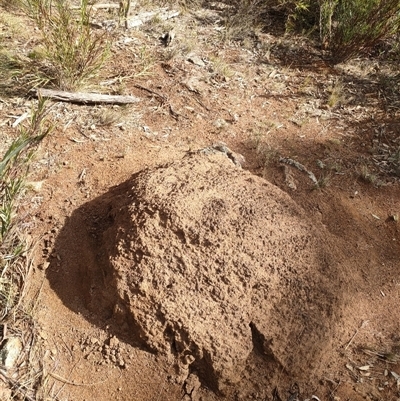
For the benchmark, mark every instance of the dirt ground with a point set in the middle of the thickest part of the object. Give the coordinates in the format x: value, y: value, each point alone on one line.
x: 273, y: 100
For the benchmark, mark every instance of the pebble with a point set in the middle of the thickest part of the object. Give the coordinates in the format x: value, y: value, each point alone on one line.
x: 10, y: 352
x: 44, y: 265
x: 114, y: 342
x: 43, y: 335
x: 94, y: 340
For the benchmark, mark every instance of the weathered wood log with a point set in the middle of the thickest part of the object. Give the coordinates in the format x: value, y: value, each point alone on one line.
x: 82, y: 97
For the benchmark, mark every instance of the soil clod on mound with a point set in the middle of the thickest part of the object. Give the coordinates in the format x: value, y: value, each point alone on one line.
x: 207, y: 263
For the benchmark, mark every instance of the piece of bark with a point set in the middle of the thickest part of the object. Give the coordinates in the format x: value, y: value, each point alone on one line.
x: 82, y: 97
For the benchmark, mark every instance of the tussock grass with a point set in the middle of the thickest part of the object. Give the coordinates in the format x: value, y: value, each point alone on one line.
x: 336, y: 96
x: 323, y: 181
x: 71, y: 52
x: 368, y: 176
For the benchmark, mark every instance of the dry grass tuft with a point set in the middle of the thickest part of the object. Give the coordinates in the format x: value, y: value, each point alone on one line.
x: 71, y: 52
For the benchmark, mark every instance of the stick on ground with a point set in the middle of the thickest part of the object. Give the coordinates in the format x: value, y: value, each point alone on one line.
x: 82, y: 97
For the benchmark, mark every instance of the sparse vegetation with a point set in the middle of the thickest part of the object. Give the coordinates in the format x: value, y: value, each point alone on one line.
x: 369, y: 176
x: 221, y: 68
x: 108, y: 116
x: 336, y: 95
x: 345, y: 27
x: 143, y: 63
x: 15, y: 251
x: 323, y: 181
x: 266, y: 153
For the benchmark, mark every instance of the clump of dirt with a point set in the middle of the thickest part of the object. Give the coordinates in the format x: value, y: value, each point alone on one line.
x: 206, y: 263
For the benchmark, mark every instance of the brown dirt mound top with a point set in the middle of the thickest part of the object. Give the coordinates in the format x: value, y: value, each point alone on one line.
x: 208, y: 263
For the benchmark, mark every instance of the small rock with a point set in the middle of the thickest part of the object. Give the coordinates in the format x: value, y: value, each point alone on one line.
x: 94, y: 340
x: 44, y: 265
x: 196, y: 60
x: 114, y: 342
x: 192, y: 384
x: 36, y: 186
x: 43, y: 335
x: 10, y: 352
x: 220, y: 123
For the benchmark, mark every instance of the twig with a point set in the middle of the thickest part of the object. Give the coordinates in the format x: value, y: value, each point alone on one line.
x: 175, y: 114
x: 162, y: 97
x: 38, y: 294
x: 363, y: 324
x: 124, y: 11
x: 351, y: 340
x: 64, y: 383
x: 201, y: 103
x: 15, y: 385
x: 72, y: 383
x: 20, y: 119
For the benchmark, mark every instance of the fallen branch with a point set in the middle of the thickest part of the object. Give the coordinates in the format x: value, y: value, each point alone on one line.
x: 81, y: 97
x: 73, y: 383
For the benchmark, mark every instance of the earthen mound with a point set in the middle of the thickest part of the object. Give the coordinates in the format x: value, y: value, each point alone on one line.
x: 207, y: 262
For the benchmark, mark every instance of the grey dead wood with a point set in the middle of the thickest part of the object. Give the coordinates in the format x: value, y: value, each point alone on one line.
x: 83, y: 97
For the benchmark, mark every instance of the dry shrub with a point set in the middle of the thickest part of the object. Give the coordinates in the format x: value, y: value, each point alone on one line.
x: 359, y: 24
x: 346, y: 27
